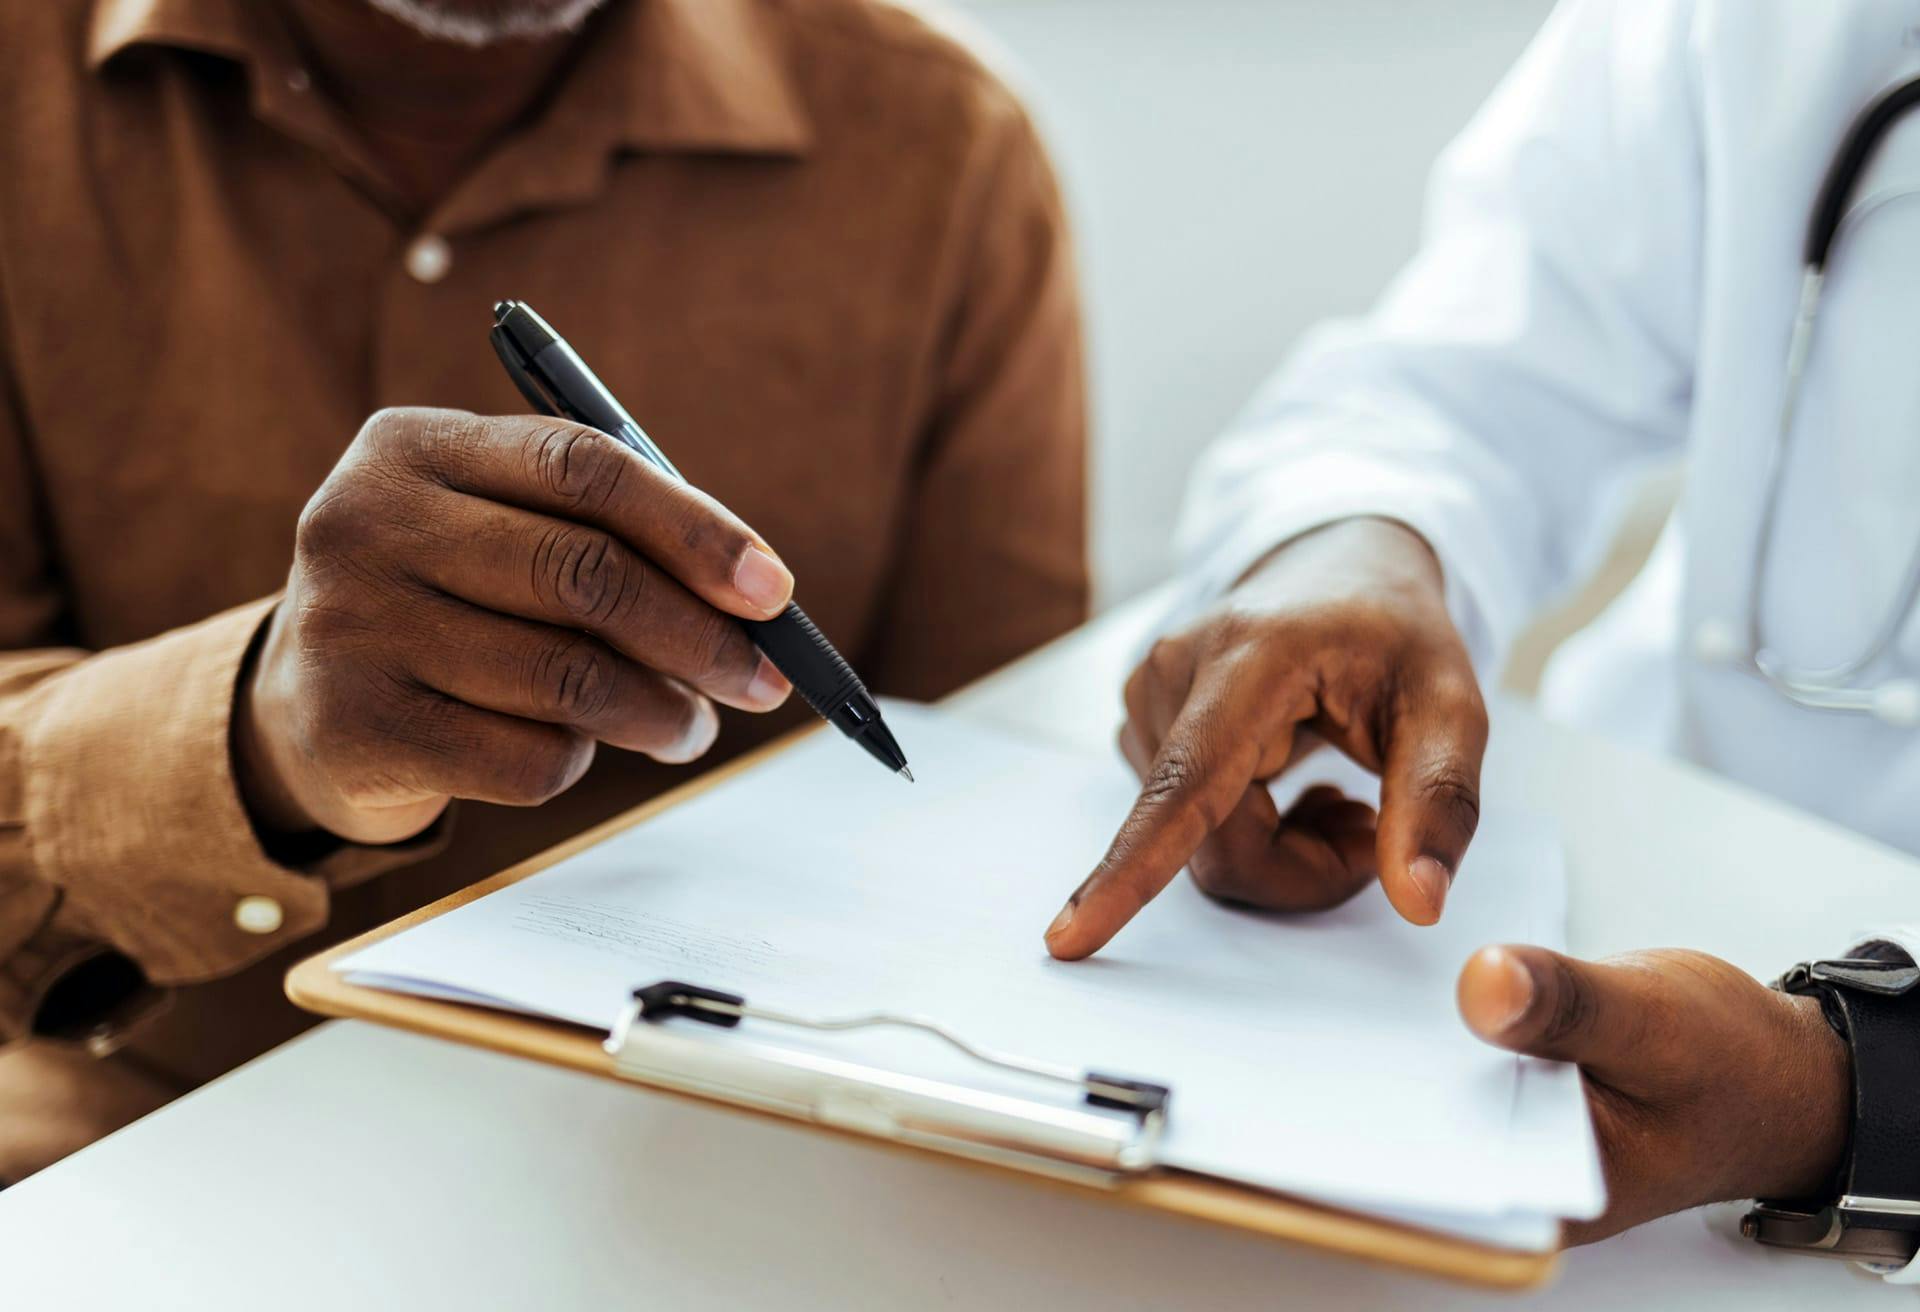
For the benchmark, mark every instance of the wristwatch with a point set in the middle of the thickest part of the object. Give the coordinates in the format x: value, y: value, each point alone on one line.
x: 1873, y: 1213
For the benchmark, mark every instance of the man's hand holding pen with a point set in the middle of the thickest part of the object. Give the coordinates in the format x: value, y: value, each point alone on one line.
x: 476, y: 602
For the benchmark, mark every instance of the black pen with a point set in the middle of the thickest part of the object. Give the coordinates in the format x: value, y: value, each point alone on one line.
x: 557, y: 382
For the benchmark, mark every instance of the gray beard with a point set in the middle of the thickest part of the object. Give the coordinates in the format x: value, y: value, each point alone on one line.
x: 479, y: 23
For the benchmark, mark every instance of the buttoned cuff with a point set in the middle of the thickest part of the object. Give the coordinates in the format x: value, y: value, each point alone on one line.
x: 133, y: 815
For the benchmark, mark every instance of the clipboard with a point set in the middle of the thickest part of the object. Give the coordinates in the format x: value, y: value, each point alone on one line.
x: 1097, y: 1144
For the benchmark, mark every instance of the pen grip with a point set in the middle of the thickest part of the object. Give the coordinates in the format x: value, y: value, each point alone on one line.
x: 800, y: 651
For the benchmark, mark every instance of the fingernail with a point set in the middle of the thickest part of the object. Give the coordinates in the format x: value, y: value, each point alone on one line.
x: 1513, y: 993
x: 698, y: 737
x: 1061, y: 921
x: 769, y: 687
x: 762, y: 580
x: 1431, y: 880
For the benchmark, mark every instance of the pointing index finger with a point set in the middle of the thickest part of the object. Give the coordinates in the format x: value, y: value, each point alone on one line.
x: 1202, y: 768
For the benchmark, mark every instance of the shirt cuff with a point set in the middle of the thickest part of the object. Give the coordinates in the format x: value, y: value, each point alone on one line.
x: 133, y: 815
x: 1273, y: 505
x: 1908, y: 1274
x: 1887, y: 941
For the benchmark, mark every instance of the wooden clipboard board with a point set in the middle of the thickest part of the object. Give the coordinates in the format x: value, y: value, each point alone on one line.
x: 314, y: 986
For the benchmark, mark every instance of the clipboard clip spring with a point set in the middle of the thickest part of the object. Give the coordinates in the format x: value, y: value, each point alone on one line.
x: 1144, y: 1098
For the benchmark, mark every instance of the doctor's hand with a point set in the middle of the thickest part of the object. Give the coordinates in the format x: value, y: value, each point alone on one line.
x: 476, y: 602
x: 1704, y: 1084
x: 1340, y: 637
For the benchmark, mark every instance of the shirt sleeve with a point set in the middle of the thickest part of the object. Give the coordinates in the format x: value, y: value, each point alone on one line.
x: 1889, y: 941
x: 1534, y: 358
x: 992, y: 558
x: 127, y: 860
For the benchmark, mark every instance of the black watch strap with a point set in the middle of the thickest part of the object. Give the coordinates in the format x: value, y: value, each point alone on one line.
x: 1875, y: 1007
x: 1874, y: 1215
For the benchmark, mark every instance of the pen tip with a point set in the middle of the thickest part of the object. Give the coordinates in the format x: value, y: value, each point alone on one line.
x: 906, y: 774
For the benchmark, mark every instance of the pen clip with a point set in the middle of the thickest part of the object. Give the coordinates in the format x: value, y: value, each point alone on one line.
x: 524, y: 380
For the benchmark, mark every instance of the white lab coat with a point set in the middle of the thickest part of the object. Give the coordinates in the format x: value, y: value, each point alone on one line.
x: 1608, y: 279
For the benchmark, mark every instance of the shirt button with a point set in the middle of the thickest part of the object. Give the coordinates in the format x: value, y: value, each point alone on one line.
x: 299, y: 81
x: 258, y: 915
x: 1716, y: 642
x: 429, y: 258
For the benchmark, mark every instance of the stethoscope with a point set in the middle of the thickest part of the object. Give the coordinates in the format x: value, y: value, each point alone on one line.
x: 1835, y: 687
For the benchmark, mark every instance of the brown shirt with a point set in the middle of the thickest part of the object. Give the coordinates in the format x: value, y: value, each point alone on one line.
x: 813, y: 244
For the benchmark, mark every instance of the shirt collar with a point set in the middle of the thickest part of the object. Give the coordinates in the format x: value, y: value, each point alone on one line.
x: 688, y: 75
x: 709, y: 74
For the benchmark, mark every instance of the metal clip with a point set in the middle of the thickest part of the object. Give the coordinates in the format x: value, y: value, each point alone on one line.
x: 1083, y: 1143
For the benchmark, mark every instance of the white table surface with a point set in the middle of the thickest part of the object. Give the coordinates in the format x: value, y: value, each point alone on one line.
x: 360, y: 1168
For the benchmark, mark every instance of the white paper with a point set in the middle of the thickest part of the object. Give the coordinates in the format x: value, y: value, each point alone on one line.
x: 1318, y: 1054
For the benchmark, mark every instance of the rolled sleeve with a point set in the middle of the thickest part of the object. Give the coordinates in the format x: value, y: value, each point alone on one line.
x: 132, y: 836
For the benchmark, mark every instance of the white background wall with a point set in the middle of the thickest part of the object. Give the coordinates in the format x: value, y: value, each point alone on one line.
x: 1238, y: 169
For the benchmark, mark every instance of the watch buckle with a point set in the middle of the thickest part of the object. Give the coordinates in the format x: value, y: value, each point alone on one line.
x: 1779, y: 1226
x: 1843, y: 1229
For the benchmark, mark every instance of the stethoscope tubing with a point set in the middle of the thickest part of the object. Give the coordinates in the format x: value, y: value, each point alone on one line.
x: 1832, y: 688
